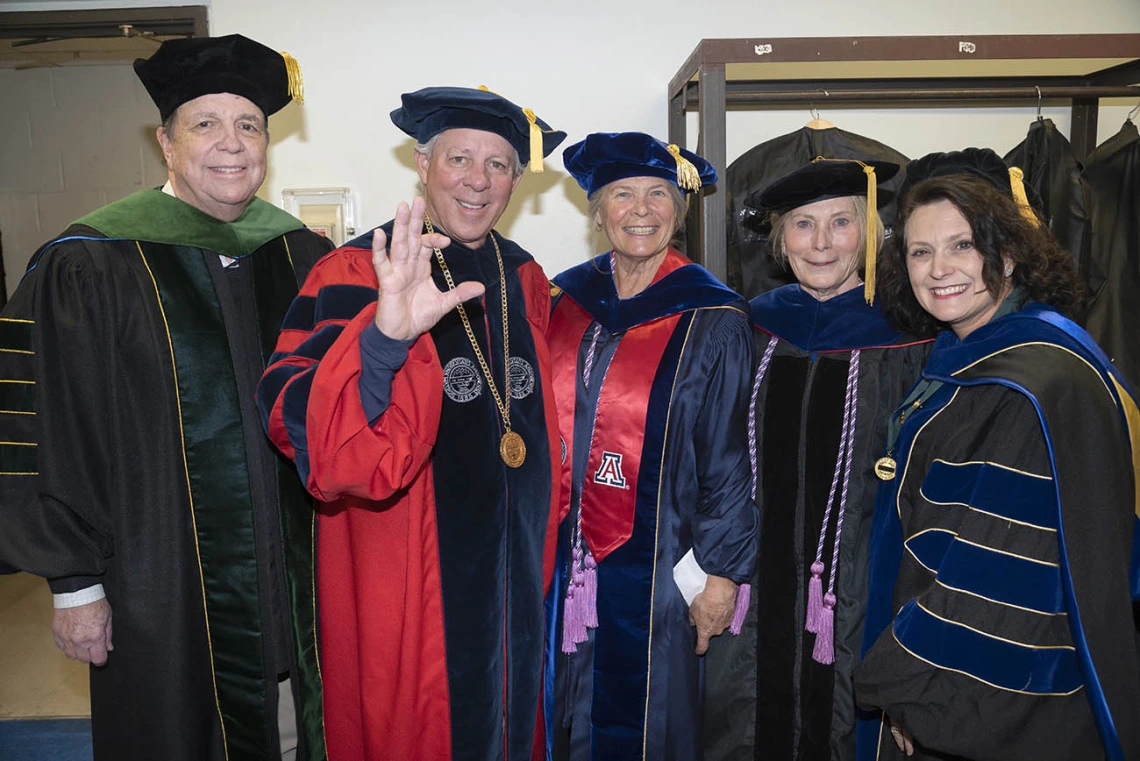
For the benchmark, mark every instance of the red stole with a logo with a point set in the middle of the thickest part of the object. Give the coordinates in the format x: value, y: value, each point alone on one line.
x: 609, y: 490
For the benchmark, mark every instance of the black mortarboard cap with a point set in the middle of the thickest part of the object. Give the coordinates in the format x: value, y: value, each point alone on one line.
x: 184, y: 69
x: 818, y: 181
x: 833, y: 178
x: 427, y: 112
x: 605, y: 157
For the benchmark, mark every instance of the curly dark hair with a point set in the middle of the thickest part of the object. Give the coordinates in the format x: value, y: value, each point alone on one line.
x: 1041, y: 266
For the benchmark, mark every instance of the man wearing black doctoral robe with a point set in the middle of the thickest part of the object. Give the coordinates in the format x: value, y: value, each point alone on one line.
x: 132, y: 462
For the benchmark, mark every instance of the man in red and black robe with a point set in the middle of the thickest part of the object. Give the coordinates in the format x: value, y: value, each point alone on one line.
x: 434, y: 548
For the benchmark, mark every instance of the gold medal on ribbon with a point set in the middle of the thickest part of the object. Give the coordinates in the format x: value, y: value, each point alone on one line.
x: 513, y: 449
x: 885, y: 468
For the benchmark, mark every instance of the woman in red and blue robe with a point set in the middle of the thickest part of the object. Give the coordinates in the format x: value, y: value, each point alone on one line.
x: 651, y: 364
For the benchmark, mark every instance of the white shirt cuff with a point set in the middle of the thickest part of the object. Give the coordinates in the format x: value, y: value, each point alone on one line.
x: 82, y: 597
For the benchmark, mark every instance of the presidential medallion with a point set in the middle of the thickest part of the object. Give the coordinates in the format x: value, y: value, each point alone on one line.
x: 885, y: 468
x: 512, y: 449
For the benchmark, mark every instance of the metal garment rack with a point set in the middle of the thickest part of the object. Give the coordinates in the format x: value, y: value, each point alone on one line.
x: 876, y: 71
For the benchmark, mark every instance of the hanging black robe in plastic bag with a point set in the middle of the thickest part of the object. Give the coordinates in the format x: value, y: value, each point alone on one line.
x: 1053, y: 172
x: 1112, y: 172
x: 751, y: 271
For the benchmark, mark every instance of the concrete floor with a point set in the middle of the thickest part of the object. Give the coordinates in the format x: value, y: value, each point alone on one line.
x: 36, y: 679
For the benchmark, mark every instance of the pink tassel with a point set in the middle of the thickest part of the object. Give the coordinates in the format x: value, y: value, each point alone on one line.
x: 569, y: 613
x: 573, y: 610
x: 743, y: 599
x: 579, y: 622
x: 824, y: 651
x: 815, y: 598
x: 591, y: 601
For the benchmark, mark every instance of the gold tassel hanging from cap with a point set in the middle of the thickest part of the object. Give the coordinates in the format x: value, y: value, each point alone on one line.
x: 872, y: 255
x: 293, y: 72
x: 535, y: 162
x: 688, y: 178
x: 1017, y: 185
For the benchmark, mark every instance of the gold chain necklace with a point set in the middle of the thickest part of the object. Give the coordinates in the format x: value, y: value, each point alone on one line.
x: 512, y: 448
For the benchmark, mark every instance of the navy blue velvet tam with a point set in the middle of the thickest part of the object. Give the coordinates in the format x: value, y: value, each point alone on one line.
x: 427, y: 112
x: 605, y: 157
x: 184, y: 69
x: 818, y: 181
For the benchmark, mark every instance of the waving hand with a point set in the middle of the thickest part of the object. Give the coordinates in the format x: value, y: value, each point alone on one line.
x: 409, y: 303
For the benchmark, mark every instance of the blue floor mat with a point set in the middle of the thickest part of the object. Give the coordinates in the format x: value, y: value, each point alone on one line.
x: 45, y: 740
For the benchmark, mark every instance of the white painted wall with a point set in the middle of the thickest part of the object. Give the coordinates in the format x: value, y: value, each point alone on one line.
x: 584, y: 66
x: 72, y: 139
x: 587, y: 66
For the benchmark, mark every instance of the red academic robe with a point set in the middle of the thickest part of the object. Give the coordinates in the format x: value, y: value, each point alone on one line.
x: 383, y: 582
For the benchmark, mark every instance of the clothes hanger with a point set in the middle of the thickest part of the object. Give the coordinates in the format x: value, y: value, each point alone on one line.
x: 1132, y: 114
x: 816, y: 122
x: 1039, y: 117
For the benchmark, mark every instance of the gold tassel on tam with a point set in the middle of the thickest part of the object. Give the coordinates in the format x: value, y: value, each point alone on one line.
x: 535, y: 162
x: 1017, y: 185
x: 296, y: 84
x: 688, y: 178
x: 872, y: 256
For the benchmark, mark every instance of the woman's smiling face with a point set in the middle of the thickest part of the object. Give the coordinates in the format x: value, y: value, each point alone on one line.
x: 823, y: 244
x: 946, y: 270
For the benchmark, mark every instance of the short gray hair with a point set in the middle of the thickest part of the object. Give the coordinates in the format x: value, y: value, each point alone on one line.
x: 428, y: 150
x: 776, y: 239
x: 680, y: 207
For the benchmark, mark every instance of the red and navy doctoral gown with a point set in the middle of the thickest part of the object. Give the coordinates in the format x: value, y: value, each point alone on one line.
x: 433, y: 555
x: 655, y: 461
x: 766, y: 697
x: 1004, y: 556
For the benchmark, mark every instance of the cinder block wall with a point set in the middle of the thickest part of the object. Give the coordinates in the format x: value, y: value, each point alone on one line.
x: 72, y: 138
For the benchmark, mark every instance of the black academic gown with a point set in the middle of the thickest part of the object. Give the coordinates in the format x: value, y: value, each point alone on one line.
x: 766, y: 697
x: 751, y: 269
x: 1111, y: 172
x: 133, y: 457
x: 1053, y: 174
x: 1004, y: 556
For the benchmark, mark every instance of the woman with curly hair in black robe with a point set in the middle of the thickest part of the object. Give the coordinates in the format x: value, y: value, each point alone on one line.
x: 1003, y: 555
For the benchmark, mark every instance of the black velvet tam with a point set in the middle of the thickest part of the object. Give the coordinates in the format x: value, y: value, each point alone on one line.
x: 978, y: 162
x: 427, y: 112
x: 184, y: 69
x: 818, y: 181
x: 605, y: 157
